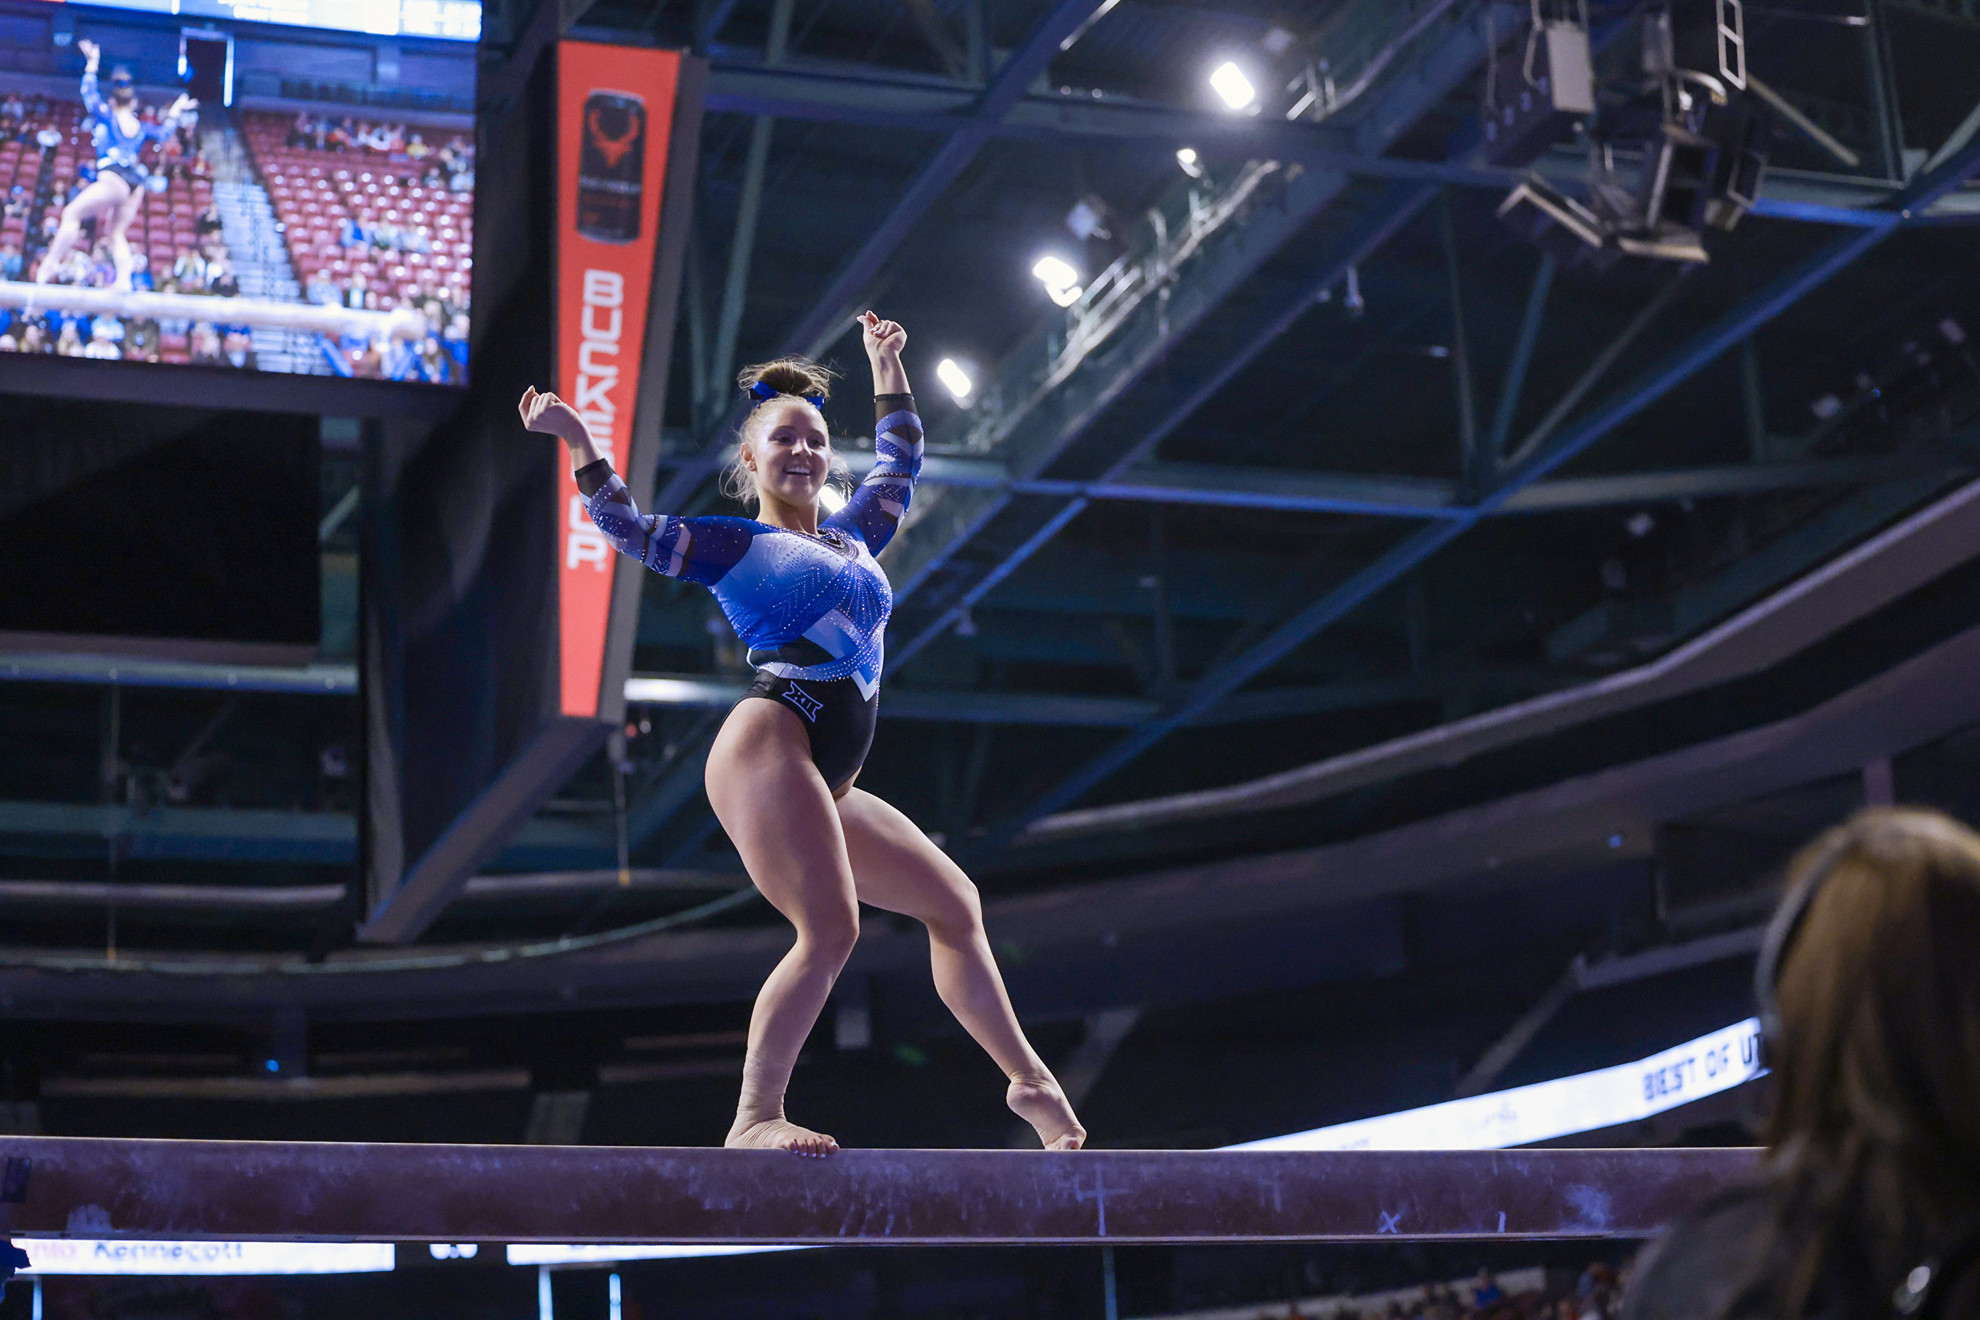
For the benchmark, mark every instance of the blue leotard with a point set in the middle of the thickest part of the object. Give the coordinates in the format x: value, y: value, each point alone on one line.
x: 808, y: 607
x: 116, y: 149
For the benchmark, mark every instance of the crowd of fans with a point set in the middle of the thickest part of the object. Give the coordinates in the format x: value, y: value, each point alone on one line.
x: 374, y: 220
x: 450, y: 165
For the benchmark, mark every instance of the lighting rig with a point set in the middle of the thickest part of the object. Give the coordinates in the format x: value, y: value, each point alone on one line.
x: 1672, y: 151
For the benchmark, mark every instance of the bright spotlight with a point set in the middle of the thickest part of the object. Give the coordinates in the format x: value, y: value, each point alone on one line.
x: 1229, y: 82
x: 951, y: 374
x: 831, y: 498
x: 1061, y: 281
x: 1192, y: 165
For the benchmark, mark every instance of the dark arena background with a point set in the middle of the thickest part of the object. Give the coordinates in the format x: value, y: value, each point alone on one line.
x: 1428, y: 504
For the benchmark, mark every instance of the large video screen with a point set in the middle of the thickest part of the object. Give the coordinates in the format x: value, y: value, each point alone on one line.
x: 220, y: 192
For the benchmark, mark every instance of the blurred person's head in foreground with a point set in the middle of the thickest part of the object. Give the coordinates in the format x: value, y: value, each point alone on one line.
x: 1869, y: 1198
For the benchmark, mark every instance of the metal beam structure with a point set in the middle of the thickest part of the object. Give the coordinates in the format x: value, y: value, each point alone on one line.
x: 1175, y: 935
x: 1730, y: 329
x: 320, y: 1191
x: 855, y: 96
x: 966, y: 136
x: 1041, y: 418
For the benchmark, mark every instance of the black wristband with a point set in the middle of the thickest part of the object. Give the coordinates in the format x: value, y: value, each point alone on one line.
x: 591, y: 478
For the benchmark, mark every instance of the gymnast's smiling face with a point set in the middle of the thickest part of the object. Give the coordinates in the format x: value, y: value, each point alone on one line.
x: 788, y: 452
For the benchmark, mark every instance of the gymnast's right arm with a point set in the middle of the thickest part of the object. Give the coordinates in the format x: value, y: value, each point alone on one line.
x: 698, y: 549
x: 92, y: 96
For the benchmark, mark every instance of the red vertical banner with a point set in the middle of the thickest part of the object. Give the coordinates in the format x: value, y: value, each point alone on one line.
x: 615, y: 113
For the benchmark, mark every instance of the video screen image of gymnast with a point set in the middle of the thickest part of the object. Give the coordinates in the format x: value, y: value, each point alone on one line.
x: 329, y: 242
x: 811, y: 603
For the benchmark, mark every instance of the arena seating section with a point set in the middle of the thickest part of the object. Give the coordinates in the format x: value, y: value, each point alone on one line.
x: 313, y: 192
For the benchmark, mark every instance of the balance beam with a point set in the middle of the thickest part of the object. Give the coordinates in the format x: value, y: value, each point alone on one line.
x: 400, y: 323
x: 93, y: 1187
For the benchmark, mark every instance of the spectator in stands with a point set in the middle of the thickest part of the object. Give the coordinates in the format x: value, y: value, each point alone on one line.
x: 34, y: 339
x: 221, y: 280
x: 207, y: 349
x: 70, y: 343
x: 189, y: 271
x: 455, y: 340
x: 141, y: 340
x: 1485, y: 1290
x: 102, y: 269
x: 322, y: 290
x: 340, y: 135
x: 10, y: 262
x: 141, y: 271
x: 302, y: 133
x: 207, y: 223
x: 355, y: 231
x: 12, y: 111
x: 237, y: 348
x: 9, y: 344
x: 432, y: 364
x: 457, y: 158
x: 416, y: 148
x: 17, y: 202
x: 103, y: 340
x: 434, y: 311
x: 1869, y: 986
x: 355, y: 291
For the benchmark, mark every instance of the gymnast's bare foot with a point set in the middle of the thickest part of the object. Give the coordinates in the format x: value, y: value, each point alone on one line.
x: 1040, y: 1102
x: 779, y: 1134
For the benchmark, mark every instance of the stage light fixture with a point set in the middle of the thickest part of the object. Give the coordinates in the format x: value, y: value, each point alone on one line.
x: 831, y: 498
x: 955, y: 379
x: 1191, y: 163
x: 1229, y: 82
x: 1060, y: 279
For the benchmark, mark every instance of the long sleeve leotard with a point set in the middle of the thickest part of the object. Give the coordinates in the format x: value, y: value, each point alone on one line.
x: 808, y: 607
x: 113, y: 146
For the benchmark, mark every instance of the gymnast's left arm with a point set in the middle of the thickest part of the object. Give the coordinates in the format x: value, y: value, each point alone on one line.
x: 877, y: 507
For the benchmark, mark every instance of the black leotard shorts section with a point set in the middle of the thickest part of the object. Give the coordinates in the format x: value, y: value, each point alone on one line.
x: 133, y: 177
x: 838, y: 720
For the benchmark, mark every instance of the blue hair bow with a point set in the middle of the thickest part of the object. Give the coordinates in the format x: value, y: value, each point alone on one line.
x: 761, y: 392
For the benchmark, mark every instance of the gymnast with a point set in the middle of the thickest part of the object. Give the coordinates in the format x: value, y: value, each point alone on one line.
x: 116, y: 196
x: 811, y: 604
